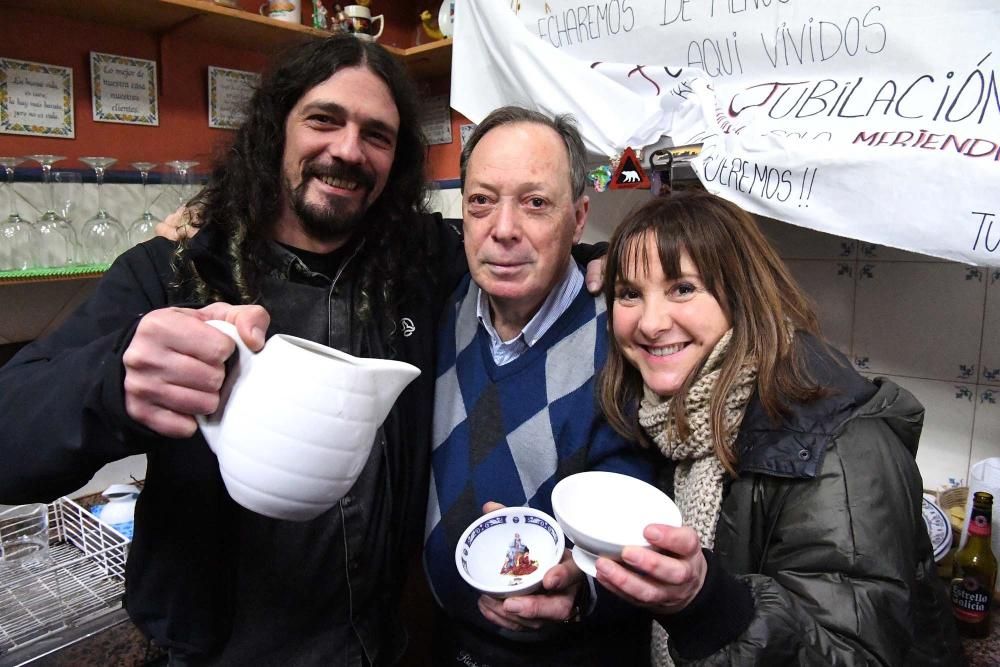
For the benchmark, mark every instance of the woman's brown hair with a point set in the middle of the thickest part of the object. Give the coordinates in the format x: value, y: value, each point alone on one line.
x: 745, y: 275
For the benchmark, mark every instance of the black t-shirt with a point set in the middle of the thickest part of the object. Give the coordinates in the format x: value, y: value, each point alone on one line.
x: 328, y: 263
x: 292, y: 598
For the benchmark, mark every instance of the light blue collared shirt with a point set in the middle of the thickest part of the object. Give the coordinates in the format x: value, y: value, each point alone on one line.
x: 555, y: 304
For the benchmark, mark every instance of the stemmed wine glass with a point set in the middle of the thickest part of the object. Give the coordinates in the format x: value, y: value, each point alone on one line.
x: 68, y: 187
x: 58, y: 245
x: 18, y: 239
x: 103, y: 236
x: 144, y: 225
x: 182, y: 179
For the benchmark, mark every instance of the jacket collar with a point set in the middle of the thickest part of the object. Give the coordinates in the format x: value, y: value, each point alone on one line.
x: 208, y: 251
x: 795, y: 445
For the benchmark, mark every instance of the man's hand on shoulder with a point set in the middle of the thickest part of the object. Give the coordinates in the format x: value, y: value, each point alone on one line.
x: 595, y: 275
x: 178, y: 225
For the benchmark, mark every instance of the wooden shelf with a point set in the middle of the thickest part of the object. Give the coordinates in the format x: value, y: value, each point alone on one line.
x: 203, y: 20
x: 51, y: 275
x: 427, y: 60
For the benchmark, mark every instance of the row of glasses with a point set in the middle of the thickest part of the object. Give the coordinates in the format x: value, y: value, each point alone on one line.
x: 52, y: 241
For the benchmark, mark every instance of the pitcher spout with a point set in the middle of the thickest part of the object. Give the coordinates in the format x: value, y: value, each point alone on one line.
x: 390, y: 378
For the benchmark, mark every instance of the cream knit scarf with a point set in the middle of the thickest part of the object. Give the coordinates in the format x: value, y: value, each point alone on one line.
x: 698, y: 477
x: 699, y: 474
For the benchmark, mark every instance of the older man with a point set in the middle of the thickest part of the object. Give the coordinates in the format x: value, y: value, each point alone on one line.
x: 315, y: 215
x: 515, y: 409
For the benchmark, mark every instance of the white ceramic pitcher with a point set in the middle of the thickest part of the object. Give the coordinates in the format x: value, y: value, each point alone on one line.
x: 296, y: 423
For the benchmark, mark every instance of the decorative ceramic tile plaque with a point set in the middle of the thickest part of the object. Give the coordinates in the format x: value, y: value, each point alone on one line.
x: 229, y: 93
x: 36, y: 99
x: 123, y: 90
x: 435, y: 119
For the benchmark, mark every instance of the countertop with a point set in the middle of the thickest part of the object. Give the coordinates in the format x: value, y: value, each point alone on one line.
x: 122, y: 645
x: 984, y: 652
x: 125, y: 646
x: 111, y: 639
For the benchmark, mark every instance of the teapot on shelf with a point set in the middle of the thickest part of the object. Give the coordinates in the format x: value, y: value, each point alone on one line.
x: 296, y: 423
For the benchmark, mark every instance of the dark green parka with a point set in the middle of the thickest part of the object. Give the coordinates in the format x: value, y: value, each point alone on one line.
x: 824, y: 525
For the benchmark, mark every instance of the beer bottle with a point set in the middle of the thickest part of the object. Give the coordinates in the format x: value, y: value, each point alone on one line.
x: 974, y: 572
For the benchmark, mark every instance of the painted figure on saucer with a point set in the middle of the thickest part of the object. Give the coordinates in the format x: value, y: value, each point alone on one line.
x: 518, y: 562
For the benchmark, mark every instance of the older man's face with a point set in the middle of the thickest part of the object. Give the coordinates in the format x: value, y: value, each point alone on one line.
x: 519, y: 215
x: 340, y: 142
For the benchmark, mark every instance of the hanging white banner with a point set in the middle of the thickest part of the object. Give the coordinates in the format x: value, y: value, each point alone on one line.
x: 879, y: 122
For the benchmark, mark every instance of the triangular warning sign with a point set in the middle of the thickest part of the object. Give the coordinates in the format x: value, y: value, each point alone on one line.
x: 629, y: 174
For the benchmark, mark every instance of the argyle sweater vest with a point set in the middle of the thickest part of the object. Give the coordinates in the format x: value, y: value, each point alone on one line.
x: 509, y: 433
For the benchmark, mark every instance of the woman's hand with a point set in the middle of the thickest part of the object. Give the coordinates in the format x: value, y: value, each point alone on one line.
x: 557, y: 604
x: 665, y: 579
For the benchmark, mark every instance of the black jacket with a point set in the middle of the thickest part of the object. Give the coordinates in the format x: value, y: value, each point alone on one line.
x: 62, y: 417
x: 824, y: 526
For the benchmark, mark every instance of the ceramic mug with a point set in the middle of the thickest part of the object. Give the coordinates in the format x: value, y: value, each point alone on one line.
x: 289, y: 11
x: 296, y: 423
x: 360, y: 20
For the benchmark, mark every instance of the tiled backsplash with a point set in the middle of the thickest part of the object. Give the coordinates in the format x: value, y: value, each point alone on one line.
x: 932, y: 326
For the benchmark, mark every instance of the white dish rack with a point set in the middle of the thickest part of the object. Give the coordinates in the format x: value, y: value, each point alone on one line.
x: 83, y: 578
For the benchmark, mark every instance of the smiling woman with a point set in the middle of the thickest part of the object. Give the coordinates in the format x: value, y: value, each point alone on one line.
x: 666, y: 327
x: 770, y: 440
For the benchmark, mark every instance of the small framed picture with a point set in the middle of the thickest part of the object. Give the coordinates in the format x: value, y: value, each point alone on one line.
x: 229, y: 93
x: 36, y: 99
x: 123, y: 90
x: 436, y: 120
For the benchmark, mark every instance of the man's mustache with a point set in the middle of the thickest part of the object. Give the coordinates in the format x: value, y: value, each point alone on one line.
x: 347, y: 172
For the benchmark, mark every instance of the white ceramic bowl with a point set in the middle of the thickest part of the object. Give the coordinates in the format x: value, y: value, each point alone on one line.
x: 484, y: 552
x: 603, y: 512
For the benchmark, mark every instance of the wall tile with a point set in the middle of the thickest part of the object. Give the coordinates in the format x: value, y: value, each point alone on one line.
x: 30, y: 199
x: 920, y: 319
x: 868, y: 252
x: 122, y: 201
x: 989, y: 360
x: 830, y: 285
x: 447, y: 202
x: 794, y: 242
x: 946, y: 441
x: 607, y: 209
x: 986, y: 431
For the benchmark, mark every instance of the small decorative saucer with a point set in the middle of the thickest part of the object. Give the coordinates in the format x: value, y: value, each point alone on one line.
x: 938, y: 528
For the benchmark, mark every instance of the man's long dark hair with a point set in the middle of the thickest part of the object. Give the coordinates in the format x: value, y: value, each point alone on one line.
x: 243, y: 196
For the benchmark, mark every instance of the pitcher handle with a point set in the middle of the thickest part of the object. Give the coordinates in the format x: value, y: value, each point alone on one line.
x: 210, y: 425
